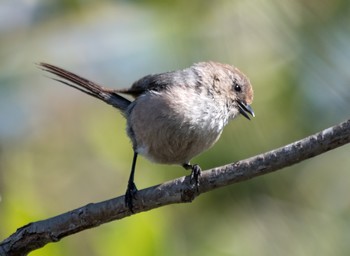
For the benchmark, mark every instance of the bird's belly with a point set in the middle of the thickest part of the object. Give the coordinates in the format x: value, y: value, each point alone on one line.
x: 171, y: 134
x: 175, y: 148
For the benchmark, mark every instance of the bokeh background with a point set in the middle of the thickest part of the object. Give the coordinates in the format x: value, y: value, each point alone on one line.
x: 60, y: 149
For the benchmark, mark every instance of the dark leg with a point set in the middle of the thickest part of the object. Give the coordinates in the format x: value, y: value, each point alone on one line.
x: 196, y: 172
x: 131, y: 191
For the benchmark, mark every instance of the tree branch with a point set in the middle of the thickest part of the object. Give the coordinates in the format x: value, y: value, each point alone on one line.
x: 35, y: 235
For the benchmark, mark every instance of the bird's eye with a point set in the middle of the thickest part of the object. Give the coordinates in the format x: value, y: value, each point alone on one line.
x: 238, y: 88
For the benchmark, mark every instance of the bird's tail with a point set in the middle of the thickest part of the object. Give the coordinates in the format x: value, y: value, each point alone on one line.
x: 107, y: 95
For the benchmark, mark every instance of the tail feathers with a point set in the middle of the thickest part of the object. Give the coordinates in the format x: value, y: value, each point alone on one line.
x: 107, y: 95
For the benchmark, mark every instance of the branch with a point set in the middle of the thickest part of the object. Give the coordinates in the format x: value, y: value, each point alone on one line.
x: 37, y: 234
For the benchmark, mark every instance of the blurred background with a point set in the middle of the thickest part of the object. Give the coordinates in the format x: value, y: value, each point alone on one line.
x: 60, y: 149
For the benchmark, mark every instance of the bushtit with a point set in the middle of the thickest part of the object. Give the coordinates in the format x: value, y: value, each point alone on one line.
x: 175, y: 115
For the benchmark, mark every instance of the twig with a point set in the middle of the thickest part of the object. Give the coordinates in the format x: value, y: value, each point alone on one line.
x: 37, y: 234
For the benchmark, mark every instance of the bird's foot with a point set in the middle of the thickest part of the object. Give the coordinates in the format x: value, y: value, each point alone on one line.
x: 195, y: 174
x: 130, y: 195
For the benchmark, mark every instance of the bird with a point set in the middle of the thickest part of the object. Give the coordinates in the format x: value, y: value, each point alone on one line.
x: 174, y: 116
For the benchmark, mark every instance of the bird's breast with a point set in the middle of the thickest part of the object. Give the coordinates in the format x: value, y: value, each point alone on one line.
x: 172, y: 128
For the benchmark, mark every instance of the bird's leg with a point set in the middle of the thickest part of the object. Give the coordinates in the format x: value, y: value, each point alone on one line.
x: 131, y: 190
x: 196, y: 172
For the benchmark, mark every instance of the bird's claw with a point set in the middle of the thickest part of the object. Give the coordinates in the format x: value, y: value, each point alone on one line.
x: 130, y: 195
x: 195, y: 174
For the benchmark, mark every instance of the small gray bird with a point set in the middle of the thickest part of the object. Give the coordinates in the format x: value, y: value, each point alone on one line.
x: 175, y: 115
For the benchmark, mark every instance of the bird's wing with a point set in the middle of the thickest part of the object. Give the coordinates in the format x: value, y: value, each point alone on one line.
x: 156, y: 82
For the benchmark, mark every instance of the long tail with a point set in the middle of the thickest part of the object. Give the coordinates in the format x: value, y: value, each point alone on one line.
x: 107, y: 95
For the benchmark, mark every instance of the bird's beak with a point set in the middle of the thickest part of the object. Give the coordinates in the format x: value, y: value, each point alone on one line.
x: 244, y: 108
